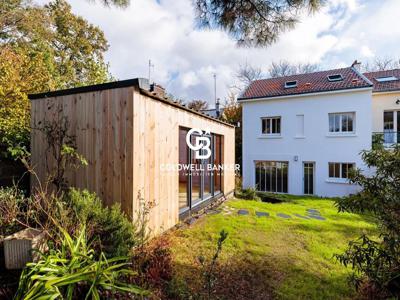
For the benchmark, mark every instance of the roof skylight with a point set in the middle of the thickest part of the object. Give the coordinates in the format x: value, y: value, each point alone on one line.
x: 335, y: 77
x: 386, y: 79
x: 290, y: 84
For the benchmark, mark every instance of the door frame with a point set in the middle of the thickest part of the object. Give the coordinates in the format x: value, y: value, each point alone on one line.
x: 304, y: 177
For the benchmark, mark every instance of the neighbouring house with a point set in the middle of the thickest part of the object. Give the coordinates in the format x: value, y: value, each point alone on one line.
x: 137, y: 141
x: 303, y: 133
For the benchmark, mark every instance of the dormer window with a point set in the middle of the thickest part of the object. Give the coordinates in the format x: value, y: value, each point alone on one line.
x: 386, y: 79
x: 290, y: 84
x: 335, y: 77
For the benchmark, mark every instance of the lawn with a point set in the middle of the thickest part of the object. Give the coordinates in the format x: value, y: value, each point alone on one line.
x: 272, y: 257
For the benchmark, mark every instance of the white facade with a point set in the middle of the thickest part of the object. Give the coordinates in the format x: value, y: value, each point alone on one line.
x: 305, y: 137
x: 381, y: 102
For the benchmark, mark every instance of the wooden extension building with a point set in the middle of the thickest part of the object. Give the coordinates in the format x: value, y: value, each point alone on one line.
x: 138, y: 141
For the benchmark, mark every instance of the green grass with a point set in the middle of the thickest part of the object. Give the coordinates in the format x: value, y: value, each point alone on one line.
x: 273, y: 257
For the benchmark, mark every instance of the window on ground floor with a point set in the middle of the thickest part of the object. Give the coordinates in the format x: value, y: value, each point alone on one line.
x: 340, y: 170
x: 272, y: 176
x: 199, y: 179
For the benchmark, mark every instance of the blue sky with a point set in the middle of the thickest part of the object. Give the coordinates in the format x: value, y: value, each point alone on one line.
x: 185, y: 58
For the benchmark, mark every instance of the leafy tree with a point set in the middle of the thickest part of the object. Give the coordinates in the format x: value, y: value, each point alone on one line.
x: 377, y: 260
x: 233, y: 114
x: 78, y: 48
x: 253, y: 22
x: 42, y: 48
x: 285, y: 68
x: 197, y: 104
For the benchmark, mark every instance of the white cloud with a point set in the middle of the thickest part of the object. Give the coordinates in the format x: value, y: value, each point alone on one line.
x: 367, y: 52
x: 186, y: 58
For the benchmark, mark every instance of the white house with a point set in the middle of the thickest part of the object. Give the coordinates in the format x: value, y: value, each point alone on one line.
x: 303, y: 133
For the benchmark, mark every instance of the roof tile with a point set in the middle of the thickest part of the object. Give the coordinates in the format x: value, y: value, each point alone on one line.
x: 384, y: 86
x: 307, y: 83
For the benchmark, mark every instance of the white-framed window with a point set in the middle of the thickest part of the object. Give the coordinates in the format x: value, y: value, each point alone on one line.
x: 271, y: 125
x: 342, y: 122
x: 340, y: 170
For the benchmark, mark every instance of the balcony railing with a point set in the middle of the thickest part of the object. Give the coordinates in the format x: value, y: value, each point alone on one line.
x: 387, y: 138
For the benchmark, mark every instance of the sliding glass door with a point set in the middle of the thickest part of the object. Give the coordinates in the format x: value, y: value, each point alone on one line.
x: 272, y: 176
x: 201, y: 179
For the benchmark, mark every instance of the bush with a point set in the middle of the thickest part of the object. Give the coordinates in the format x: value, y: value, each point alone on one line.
x: 248, y: 194
x: 11, y: 201
x: 153, y: 264
x: 73, y: 272
x: 376, y: 261
x: 108, y: 228
x: 177, y: 288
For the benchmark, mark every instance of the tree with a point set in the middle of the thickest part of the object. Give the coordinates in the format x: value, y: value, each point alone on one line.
x: 247, y: 73
x: 382, y: 64
x: 198, y: 105
x: 285, y: 68
x: 42, y: 48
x: 233, y: 114
x: 377, y: 260
x: 117, y: 3
x: 252, y: 22
x: 78, y: 47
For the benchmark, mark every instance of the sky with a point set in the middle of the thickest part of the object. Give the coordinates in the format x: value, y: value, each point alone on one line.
x: 185, y: 58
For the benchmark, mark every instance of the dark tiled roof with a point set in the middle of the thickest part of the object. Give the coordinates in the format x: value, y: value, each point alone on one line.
x: 306, y: 83
x: 384, y: 86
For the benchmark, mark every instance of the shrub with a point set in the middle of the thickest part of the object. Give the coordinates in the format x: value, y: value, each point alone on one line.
x: 73, y: 272
x: 109, y: 229
x: 209, y: 268
x: 11, y: 200
x: 153, y: 264
x: 177, y: 289
x: 377, y: 260
x: 248, y: 194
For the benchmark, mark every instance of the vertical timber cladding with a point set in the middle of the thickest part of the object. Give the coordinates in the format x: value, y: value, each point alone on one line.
x: 101, y: 122
x: 156, y: 142
x: 126, y: 134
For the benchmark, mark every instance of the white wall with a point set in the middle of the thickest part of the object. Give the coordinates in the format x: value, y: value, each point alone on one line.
x: 380, y: 103
x: 317, y: 145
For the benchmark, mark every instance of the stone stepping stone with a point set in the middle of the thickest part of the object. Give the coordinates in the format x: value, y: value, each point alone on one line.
x: 243, y: 212
x: 313, y: 211
x: 284, y: 216
x: 302, y: 217
x: 262, y: 214
x: 190, y: 221
x: 321, y: 218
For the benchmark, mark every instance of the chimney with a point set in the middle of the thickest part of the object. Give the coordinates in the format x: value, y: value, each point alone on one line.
x: 356, y: 65
x: 158, y: 90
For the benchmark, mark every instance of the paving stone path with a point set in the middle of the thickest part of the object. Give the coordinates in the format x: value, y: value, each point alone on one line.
x: 262, y: 214
x: 243, y: 212
x: 302, y: 217
x: 315, y: 214
x: 285, y: 216
x: 310, y: 213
